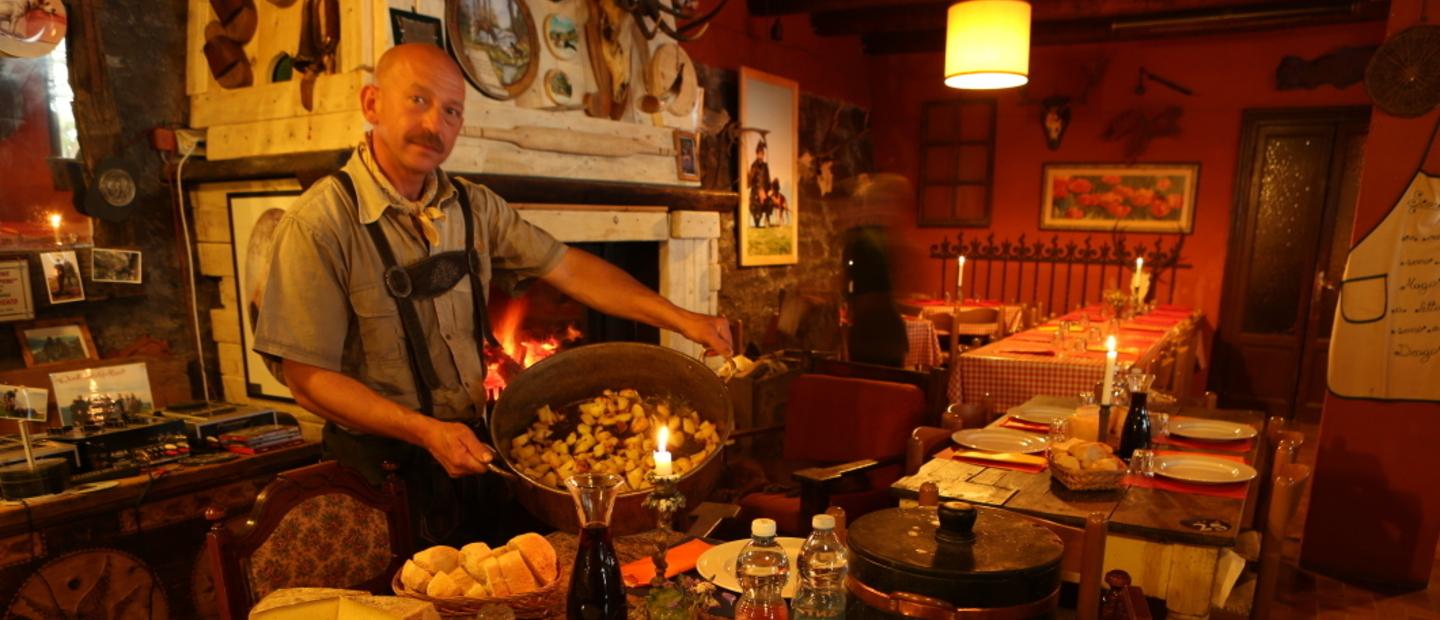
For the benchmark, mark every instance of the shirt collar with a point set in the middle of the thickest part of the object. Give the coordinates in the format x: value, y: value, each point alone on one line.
x: 375, y: 193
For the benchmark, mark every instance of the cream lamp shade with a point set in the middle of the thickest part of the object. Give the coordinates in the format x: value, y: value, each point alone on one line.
x: 987, y: 44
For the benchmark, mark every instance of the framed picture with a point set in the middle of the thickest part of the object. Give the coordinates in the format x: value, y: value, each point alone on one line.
x: 1147, y: 198
x: 55, y: 341
x: 687, y: 156
x: 16, y: 303
x: 24, y: 403
x: 253, y: 219
x: 416, y: 28
x: 92, y: 395
x: 770, y: 135
x: 115, y: 266
x: 62, y: 276
x: 495, y: 43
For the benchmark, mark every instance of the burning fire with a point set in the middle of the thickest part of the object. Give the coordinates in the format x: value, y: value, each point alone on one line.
x: 519, y: 349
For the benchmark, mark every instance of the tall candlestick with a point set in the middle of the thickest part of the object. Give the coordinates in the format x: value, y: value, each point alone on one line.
x: 663, y: 466
x: 960, y: 280
x: 1109, y: 383
x: 55, y: 223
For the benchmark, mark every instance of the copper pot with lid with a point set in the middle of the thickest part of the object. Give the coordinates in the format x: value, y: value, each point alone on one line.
x: 956, y: 562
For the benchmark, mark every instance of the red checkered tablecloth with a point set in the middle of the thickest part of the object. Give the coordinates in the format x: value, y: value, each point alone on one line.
x: 1025, y: 365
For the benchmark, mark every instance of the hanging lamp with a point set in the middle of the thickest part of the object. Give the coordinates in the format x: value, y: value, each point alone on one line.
x: 987, y: 44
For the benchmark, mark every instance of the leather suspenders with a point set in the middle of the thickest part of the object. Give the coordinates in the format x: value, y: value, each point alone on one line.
x: 397, y: 282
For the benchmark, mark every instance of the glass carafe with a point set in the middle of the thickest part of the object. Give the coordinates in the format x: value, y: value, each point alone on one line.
x: 1136, y: 434
x: 596, y: 592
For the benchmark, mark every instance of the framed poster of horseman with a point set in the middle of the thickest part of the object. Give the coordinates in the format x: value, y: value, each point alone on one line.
x: 769, y: 203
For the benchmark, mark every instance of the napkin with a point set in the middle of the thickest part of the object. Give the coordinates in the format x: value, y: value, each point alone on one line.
x: 1028, y: 463
x: 679, y: 559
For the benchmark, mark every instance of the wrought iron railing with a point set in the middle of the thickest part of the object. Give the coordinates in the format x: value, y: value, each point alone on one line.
x: 1016, y: 271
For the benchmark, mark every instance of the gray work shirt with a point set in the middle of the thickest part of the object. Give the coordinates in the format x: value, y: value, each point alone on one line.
x: 326, y: 303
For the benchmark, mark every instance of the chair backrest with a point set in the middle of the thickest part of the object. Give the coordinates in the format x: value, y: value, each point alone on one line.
x: 824, y: 414
x: 1287, y: 486
x: 321, y: 525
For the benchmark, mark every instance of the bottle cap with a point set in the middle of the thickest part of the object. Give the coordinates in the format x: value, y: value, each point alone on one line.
x: 823, y: 522
x: 764, y: 528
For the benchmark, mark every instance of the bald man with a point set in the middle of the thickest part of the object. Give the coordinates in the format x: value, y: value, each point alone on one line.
x: 374, y: 315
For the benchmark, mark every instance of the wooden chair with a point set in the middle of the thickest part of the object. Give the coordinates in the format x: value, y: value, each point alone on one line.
x: 1287, y: 486
x: 321, y: 525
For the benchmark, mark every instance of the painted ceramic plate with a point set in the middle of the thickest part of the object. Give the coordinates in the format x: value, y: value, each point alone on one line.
x: 999, y: 440
x: 1040, y: 414
x: 1202, y: 469
x: 561, y: 36
x: 494, y: 42
x: 718, y: 564
x: 1212, y: 430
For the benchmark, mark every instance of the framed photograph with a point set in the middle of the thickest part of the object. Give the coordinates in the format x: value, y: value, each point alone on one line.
x: 1145, y: 198
x: 54, y: 341
x: 416, y: 28
x: 495, y: 43
x: 687, y: 156
x: 253, y: 218
x: 92, y: 395
x: 769, y: 139
x: 62, y: 276
x: 24, y: 403
x: 16, y: 303
x: 115, y: 266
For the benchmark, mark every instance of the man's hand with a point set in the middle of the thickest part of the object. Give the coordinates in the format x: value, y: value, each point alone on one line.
x: 711, y: 331
x: 454, y: 445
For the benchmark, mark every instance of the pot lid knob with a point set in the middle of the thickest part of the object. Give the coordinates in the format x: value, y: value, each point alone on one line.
x: 957, y: 522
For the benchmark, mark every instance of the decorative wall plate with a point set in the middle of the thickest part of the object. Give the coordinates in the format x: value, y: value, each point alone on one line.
x: 494, y: 41
x: 30, y: 29
x: 562, y: 37
x: 1403, y: 77
x: 559, y: 87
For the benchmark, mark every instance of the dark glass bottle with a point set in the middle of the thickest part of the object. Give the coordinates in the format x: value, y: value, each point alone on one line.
x: 1136, y: 433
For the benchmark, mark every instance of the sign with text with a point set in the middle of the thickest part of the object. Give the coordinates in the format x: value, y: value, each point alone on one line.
x: 16, y: 304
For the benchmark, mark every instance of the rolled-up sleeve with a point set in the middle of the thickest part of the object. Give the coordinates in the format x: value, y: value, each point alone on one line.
x: 305, y: 316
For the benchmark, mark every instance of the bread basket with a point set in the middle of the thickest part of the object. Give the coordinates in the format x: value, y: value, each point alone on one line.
x: 1085, y: 479
x: 548, y: 601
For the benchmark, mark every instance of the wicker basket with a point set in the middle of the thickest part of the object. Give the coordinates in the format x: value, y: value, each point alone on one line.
x: 546, y: 602
x: 1086, y: 479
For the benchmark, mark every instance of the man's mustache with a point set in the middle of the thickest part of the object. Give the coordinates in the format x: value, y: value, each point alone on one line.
x: 426, y: 138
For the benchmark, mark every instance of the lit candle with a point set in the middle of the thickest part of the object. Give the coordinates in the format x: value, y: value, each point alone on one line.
x: 960, y: 280
x: 663, y: 466
x: 55, y: 223
x: 1109, y: 383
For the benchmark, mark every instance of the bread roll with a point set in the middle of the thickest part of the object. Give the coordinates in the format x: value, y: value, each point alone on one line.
x: 439, y: 559
x: 493, y: 577
x: 416, y: 579
x: 517, y: 574
x: 442, y: 586
x: 471, y: 556
x: 538, y: 554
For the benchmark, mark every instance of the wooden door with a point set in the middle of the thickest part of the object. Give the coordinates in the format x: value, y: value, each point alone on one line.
x: 1296, y: 187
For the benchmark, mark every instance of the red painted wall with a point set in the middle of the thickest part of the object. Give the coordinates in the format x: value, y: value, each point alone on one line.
x: 1228, y: 74
x: 1374, y: 474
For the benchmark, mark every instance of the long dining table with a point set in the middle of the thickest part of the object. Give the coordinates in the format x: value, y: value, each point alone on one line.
x: 1026, y: 364
x: 1175, y: 539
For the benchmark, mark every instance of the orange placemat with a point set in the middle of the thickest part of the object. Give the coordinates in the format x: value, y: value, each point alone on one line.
x: 678, y: 559
x: 1236, y: 490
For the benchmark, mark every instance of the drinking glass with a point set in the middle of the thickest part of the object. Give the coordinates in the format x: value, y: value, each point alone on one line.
x: 1142, y: 462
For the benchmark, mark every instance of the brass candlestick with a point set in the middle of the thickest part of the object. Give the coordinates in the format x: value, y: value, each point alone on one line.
x: 665, y: 499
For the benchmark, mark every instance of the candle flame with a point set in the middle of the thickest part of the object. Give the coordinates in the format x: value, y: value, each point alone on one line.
x: 662, y: 443
x: 1110, y: 344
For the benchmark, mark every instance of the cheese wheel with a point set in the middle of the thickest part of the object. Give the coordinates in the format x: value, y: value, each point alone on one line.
x: 517, y: 574
x: 416, y: 579
x: 440, y: 559
x: 442, y: 586
x: 385, y: 608
x: 539, y: 555
x: 471, y: 556
x: 301, y: 603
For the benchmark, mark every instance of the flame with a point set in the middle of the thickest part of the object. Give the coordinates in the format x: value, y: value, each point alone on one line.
x: 518, y: 348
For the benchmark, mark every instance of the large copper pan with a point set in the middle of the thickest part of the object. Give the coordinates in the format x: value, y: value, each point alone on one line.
x: 583, y: 373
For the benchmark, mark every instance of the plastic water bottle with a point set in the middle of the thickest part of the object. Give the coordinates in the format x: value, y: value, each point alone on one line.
x: 762, y: 569
x: 824, y: 562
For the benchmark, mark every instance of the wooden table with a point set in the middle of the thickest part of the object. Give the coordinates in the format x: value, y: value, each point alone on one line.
x: 1168, y: 559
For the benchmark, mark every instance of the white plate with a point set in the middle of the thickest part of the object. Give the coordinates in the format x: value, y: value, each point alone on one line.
x: 1202, y: 469
x: 1213, y: 430
x: 718, y: 564
x: 999, y: 440
x: 1040, y: 414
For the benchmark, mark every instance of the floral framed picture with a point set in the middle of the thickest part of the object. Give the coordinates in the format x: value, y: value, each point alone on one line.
x: 1144, y: 198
